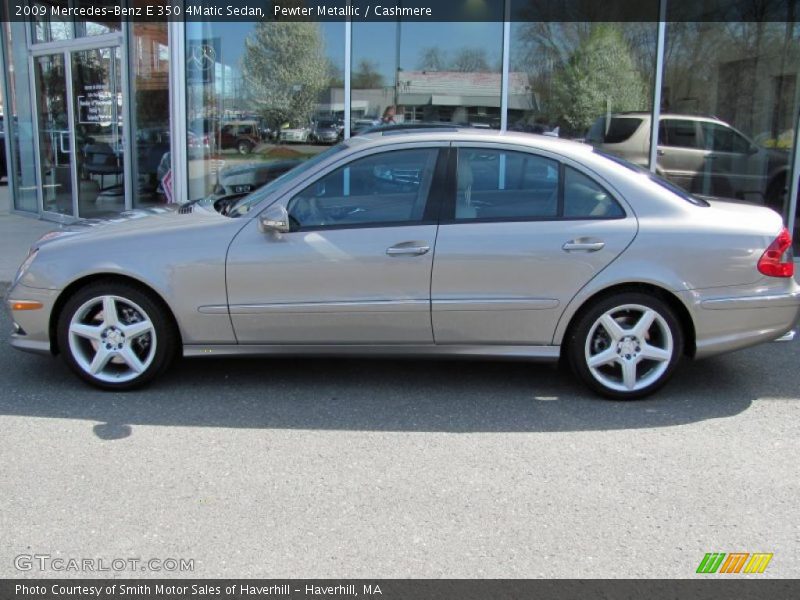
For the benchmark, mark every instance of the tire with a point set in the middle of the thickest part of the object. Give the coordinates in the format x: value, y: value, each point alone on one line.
x: 244, y: 148
x: 640, y: 337
x: 121, y: 353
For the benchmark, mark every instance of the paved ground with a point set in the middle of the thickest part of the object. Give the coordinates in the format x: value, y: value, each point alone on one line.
x: 342, y: 468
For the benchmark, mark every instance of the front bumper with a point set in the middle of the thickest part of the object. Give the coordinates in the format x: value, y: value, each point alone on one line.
x: 31, y: 327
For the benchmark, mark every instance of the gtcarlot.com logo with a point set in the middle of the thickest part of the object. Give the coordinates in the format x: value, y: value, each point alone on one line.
x: 47, y: 562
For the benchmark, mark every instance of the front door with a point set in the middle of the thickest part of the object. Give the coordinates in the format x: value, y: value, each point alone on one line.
x: 525, y: 234
x: 355, y: 267
x: 81, y: 133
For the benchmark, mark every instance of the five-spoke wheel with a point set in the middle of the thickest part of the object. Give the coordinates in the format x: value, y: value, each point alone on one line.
x: 115, y: 335
x: 626, y: 346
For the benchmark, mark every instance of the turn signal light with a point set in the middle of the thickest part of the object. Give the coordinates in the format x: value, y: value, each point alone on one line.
x: 26, y: 305
x: 777, y: 260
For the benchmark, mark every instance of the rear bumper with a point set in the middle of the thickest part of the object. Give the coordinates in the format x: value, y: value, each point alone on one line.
x: 727, y: 323
x: 31, y: 331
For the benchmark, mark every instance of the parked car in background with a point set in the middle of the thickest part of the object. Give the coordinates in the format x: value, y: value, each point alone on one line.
x: 326, y: 131
x: 434, y: 243
x: 240, y: 180
x: 242, y: 136
x: 295, y: 132
x: 703, y: 155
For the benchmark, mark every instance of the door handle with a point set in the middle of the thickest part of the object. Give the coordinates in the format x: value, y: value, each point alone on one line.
x: 408, y: 250
x: 575, y: 246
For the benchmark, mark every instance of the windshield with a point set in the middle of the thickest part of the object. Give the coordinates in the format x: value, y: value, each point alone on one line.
x: 244, y: 205
x: 666, y: 184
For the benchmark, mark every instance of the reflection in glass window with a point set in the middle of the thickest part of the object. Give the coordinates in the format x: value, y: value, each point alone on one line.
x: 255, y: 94
x: 582, y: 80
x: 678, y: 133
x: 584, y: 198
x: 494, y: 184
x: 391, y: 187
x: 409, y: 72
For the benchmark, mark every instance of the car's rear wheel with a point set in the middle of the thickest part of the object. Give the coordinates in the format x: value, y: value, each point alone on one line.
x: 626, y: 346
x: 115, y: 336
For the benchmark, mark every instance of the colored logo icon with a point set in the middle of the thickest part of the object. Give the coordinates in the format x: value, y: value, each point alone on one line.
x: 734, y: 562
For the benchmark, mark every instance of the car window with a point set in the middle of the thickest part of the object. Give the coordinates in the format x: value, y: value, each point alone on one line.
x: 720, y: 138
x: 390, y: 187
x: 496, y: 184
x: 613, y: 131
x: 584, y: 198
x: 681, y: 133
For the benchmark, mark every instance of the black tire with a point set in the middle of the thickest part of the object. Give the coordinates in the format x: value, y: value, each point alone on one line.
x: 653, y: 373
x: 244, y: 148
x: 776, y: 191
x: 164, y: 336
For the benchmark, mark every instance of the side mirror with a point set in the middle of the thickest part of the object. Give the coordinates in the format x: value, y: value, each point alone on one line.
x: 274, y: 220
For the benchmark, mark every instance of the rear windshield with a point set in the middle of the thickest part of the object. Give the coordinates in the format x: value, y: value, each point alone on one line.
x: 678, y: 191
x: 613, y: 131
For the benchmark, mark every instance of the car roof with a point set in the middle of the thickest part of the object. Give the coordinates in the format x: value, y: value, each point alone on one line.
x: 641, y: 114
x: 467, y: 134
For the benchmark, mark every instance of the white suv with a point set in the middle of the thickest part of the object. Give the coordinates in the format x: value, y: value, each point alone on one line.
x: 703, y: 155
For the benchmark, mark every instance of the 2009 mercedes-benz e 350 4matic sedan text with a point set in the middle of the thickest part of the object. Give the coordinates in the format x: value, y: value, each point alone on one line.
x: 420, y: 243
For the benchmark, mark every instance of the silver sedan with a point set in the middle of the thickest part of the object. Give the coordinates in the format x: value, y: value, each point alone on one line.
x: 420, y: 244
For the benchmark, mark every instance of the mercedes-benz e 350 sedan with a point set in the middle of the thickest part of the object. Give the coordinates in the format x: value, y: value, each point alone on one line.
x: 426, y: 244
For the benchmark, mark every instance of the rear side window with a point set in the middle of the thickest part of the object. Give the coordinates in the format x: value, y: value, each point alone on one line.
x: 679, y: 133
x: 496, y: 184
x: 584, y: 198
x: 614, y: 130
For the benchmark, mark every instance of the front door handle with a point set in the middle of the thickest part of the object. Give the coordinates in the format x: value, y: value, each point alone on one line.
x: 408, y: 249
x: 584, y: 246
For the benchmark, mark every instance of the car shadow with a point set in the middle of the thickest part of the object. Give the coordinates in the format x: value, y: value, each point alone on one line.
x: 380, y: 395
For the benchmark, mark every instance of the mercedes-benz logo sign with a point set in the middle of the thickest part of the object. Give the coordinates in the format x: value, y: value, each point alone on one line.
x: 203, y: 57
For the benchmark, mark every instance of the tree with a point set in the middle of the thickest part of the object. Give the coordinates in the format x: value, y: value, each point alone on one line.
x: 285, y: 69
x: 366, y: 76
x: 432, y: 58
x: 471, y: 60
x: 600, y: 76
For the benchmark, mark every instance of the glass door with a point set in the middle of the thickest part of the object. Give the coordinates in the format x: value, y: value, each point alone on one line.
x: 97, y: 106
x: 81, y: 143
x: 55, y: 153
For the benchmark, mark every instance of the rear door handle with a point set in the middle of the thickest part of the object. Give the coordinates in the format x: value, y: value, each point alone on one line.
x: 408, y: 249
x: 578, y: 246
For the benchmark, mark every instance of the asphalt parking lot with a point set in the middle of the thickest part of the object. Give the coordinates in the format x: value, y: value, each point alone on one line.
x: 348, y: 468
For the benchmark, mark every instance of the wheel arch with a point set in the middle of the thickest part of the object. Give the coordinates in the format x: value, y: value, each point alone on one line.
x: 673, y: 301
x: 81, y: 282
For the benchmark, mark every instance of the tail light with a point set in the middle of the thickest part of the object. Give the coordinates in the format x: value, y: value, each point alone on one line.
x: 777, y: 260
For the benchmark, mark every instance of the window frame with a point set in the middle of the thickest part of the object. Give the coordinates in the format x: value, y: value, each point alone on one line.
x: 448, y: 209
x: 433, y: 201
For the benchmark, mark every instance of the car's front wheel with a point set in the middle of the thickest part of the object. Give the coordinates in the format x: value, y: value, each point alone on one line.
x: 244, y: 147
x: 115, y: 336
x: 626, y: 346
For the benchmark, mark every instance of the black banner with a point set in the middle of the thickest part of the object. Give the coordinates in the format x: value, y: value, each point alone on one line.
x: 111, y: 11
x: 732, y: 588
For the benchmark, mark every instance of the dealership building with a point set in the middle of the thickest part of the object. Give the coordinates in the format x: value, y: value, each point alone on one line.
x: 106, y: 115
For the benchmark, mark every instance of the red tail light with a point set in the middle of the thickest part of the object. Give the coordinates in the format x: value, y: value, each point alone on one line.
x: 777, y: 260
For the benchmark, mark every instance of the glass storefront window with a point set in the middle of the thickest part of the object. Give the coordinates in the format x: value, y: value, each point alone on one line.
x: 729, y: 103
x: 586, y: 81
x: 149, y: 60
x: 53, y: 28
x: 410, y: 72
x: 267, y: 93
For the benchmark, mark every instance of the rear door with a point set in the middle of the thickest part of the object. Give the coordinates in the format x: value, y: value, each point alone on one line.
x: 681, y: 156
x: 522, y: 234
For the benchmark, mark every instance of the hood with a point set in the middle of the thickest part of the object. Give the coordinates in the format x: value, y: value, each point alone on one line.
x: 130, y: 221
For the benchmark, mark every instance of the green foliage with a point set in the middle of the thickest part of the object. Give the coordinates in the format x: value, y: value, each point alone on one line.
x: 285, y: 69
x: 600, y: 76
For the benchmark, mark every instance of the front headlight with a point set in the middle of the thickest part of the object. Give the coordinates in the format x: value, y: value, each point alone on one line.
x: 26, y: 264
